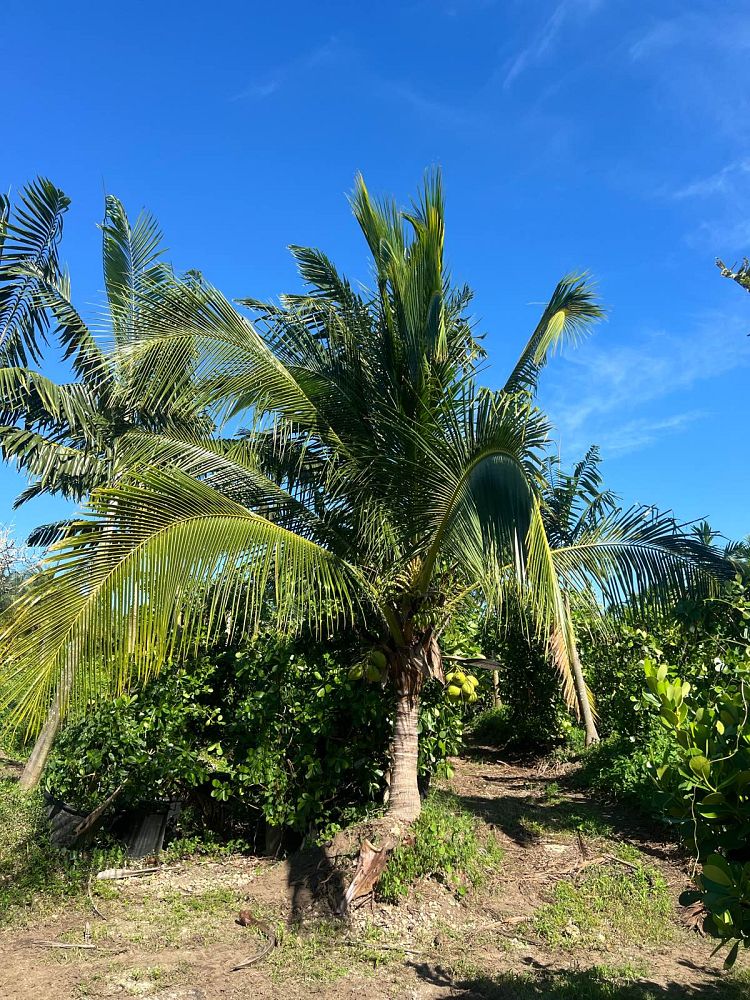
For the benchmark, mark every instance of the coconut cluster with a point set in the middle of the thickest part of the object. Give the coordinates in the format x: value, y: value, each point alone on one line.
x: 372, y: 668
x: 461, y: 686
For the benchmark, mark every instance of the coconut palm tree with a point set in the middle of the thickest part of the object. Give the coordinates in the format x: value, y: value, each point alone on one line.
x: 574, y: 504
x: 377, y: 482
x: 66, y: 437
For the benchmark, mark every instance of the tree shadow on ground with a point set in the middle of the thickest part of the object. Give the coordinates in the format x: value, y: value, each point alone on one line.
x: 559, y: 984
x: 315, y: 884
x: 522, y: 805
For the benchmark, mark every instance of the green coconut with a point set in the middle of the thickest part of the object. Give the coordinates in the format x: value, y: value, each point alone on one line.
x: 453, y: 691
x: 373, y: 673
x: 467, y: 689
x: 377, y: 659
x: 356, y: 673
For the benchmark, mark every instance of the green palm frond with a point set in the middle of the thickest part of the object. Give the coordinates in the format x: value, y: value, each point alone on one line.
x: 639, y: 556
x: 133, y: 265
x: 566, y: 318
x: 31, y: 232
x: 161, y: 562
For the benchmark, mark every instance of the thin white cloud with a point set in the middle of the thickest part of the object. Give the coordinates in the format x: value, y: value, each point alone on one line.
x: 723, y: 182
x: 442, y: 112
x: 619, y: 397
x: 639, y: 433
x: 545, y: 39
x: 263, y: 88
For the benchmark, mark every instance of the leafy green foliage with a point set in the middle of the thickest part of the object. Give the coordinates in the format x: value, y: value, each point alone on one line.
x: 446, y: 846
x: 532, y: 714
x: 275, y: 731
x: 707, y: 785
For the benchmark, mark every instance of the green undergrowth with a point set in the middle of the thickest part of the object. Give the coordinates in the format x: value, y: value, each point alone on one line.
x: 610, y: 903
x: 32, y: 871
x: 448, y: 846
x: 602, y: 982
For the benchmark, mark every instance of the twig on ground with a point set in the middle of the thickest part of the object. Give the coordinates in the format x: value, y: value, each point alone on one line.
x: 64, y: 944
x: 387, y: 947
x: 246, y: 919
x: 117, y: 873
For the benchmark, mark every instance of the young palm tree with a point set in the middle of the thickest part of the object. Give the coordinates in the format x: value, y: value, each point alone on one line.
x: 65, y: 437
x: 573, y: 505
x: 377, y: 482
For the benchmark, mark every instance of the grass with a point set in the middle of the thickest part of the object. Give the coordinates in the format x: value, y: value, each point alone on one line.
x: 447, y: 846
x: 609, y: 904
x: 34, y: 873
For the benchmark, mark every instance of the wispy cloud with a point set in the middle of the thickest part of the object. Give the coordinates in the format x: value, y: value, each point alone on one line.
x: 627, y: 397
x: 282, y: 74
x: 640, y: 432
x: 545, y: 39
x: 430, y: 108
x: 722, y: 182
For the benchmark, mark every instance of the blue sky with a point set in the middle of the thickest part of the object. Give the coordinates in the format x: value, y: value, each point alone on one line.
x: 607, y: 135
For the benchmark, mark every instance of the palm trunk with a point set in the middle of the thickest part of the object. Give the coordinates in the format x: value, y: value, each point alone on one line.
x: 32, y: 772
x: 582, y: 695
x: 584, y: 705
x: 404, y: 802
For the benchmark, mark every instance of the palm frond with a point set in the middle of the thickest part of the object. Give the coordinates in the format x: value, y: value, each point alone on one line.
x: 159, y: 565
x: 31, y: 233
x: 639, y: 556
x: 566, y: 318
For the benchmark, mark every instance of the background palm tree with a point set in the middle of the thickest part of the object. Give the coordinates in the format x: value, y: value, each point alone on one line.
x: 572, y: 505
x: 67, y: 436
x: 377, y: 482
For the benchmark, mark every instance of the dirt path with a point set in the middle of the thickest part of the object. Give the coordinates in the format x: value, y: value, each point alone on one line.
x: 583, y: 905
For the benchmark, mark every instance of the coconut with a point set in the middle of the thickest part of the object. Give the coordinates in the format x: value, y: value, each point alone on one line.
x: 356, y: 673
x: 453, y: 691
x: 467, y: 689
x: 377, y: 658
x: 472, y: 680
x: 373, y: 673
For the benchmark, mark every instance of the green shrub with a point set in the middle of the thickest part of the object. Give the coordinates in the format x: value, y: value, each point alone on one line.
x: 275, y: 733
x: 706, y: 784
x: 446, y: 846
x: 623, y: 768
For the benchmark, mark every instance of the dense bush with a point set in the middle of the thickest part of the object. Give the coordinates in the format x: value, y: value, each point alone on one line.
x: 531, y: 714
x: 706, y: 784
x: 274, y: 734
x: 693, y: 634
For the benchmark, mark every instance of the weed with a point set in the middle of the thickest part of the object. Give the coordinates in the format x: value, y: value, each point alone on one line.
x: 608, y: 904
x: 447, y: 846
x: 551, y: 793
